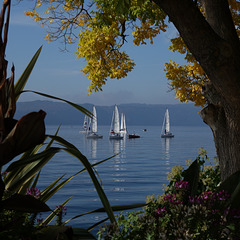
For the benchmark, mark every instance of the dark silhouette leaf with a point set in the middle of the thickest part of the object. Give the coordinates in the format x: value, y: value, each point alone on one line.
x: 25, y: 203
x: 191, y: 175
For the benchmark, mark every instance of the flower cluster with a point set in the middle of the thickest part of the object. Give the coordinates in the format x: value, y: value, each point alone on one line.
x: 192, y: 207
x: 62, y: 210
x: 182, y: 185
x: 210, y: 198
x: 171, y: 198
x: 35, y: 192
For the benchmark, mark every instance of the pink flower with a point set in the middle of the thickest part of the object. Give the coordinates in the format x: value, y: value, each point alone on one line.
x: 35, y: 192
x: 182, y: 185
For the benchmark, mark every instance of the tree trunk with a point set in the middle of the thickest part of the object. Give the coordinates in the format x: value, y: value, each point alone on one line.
x: 213, y: 41
x: 224, y: 121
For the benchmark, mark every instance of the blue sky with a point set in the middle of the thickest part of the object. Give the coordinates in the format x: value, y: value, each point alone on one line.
x: 58, y: 73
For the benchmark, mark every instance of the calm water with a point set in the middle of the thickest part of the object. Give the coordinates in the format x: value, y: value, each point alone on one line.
x: 139, y: 170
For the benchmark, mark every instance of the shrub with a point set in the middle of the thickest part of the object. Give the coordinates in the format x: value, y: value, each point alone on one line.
x: 191, y: 207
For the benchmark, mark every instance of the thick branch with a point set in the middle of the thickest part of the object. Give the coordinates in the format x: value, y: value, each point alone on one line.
x: 219, y: 17
x: 217, y: 56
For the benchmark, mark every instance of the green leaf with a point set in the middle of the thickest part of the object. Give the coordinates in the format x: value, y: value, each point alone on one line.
x: 70, y: 148
x: 78, y: 107
x: 46, y: 191
x: 114, y: 208
x: 25, y: 203
x: 51, y: 192
x: 31, y: 159
x: 53, y: 214
x: 19, y: 86
x: 29, y: 170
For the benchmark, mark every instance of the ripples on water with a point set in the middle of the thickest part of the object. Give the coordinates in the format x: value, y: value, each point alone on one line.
x: 139, y: 170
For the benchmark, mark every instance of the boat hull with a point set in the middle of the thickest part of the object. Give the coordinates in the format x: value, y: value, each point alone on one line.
x: 115, y: 137
x: 133, y: 136
x: 169, y: 135
x: 94, y: 136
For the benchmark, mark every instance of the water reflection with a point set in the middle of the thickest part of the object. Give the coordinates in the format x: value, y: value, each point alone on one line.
x: 94, y: 148
x: 119, y: 164
x: 166, y: 147
x: 91, y: 145
x: 118, y: 147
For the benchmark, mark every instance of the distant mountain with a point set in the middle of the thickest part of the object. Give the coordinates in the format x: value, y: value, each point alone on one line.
x: 136, y: 114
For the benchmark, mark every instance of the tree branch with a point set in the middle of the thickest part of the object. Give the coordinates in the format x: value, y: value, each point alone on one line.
x: 217, y: 56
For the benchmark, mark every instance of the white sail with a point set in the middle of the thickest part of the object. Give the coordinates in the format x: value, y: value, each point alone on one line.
x: 92, y: 126
x: 85, y: 124
x: 121, y: 127
x: 166, y: 126
x: 94, y: 120
x: 116, y: 127
x: 167, y: 122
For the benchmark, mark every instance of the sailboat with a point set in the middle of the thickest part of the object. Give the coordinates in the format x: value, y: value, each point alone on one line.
x: 115, y: 126
x: 166, y: 126
x: 123, y: 128
x: 92, y: 127
x: 85, y: 124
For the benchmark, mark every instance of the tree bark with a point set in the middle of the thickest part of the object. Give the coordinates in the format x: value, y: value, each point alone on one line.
x: 213, y: 41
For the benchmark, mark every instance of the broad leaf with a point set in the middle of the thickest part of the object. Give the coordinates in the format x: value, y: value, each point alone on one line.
x: 191, y: 175
x: 54, y: 232
x: 25, y: 203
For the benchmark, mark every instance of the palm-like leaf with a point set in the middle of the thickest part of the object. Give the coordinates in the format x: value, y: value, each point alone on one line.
x: 20, y: 84
x: 71, y: 149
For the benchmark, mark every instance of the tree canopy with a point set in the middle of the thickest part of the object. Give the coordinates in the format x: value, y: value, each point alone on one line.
x: 102, y: 27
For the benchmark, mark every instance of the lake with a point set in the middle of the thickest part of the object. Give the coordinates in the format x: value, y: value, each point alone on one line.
x: 140, y: 168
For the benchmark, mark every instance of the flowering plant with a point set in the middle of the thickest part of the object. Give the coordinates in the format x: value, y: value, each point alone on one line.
x: 193, y: 206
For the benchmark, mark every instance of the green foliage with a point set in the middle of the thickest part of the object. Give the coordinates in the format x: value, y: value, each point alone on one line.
x: 192, y: 207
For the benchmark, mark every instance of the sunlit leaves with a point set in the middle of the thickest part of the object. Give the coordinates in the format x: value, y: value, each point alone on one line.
x: 186, y: 82
x: 98, y: 45
x: 147, y: 30
x: 105, y: 25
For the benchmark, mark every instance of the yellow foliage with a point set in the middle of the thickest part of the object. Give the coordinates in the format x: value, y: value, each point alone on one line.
x: 147, y: 30
x: 187, y: 81
x: 103, y: 61
x: 48, y: 38
x: 103, y: 33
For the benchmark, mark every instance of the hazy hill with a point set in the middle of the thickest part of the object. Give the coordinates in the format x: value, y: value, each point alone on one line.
x: 136, y: 114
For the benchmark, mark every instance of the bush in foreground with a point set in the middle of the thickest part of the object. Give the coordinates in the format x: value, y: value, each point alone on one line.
x: 193, y: 206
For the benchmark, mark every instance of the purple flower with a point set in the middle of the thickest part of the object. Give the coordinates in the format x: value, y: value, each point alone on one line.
x: 159, y: 212
x: 171, y: 198
x: 223, y: 195
x: 182, y: 185
x: 35, y: 192
x: 62, y: 210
